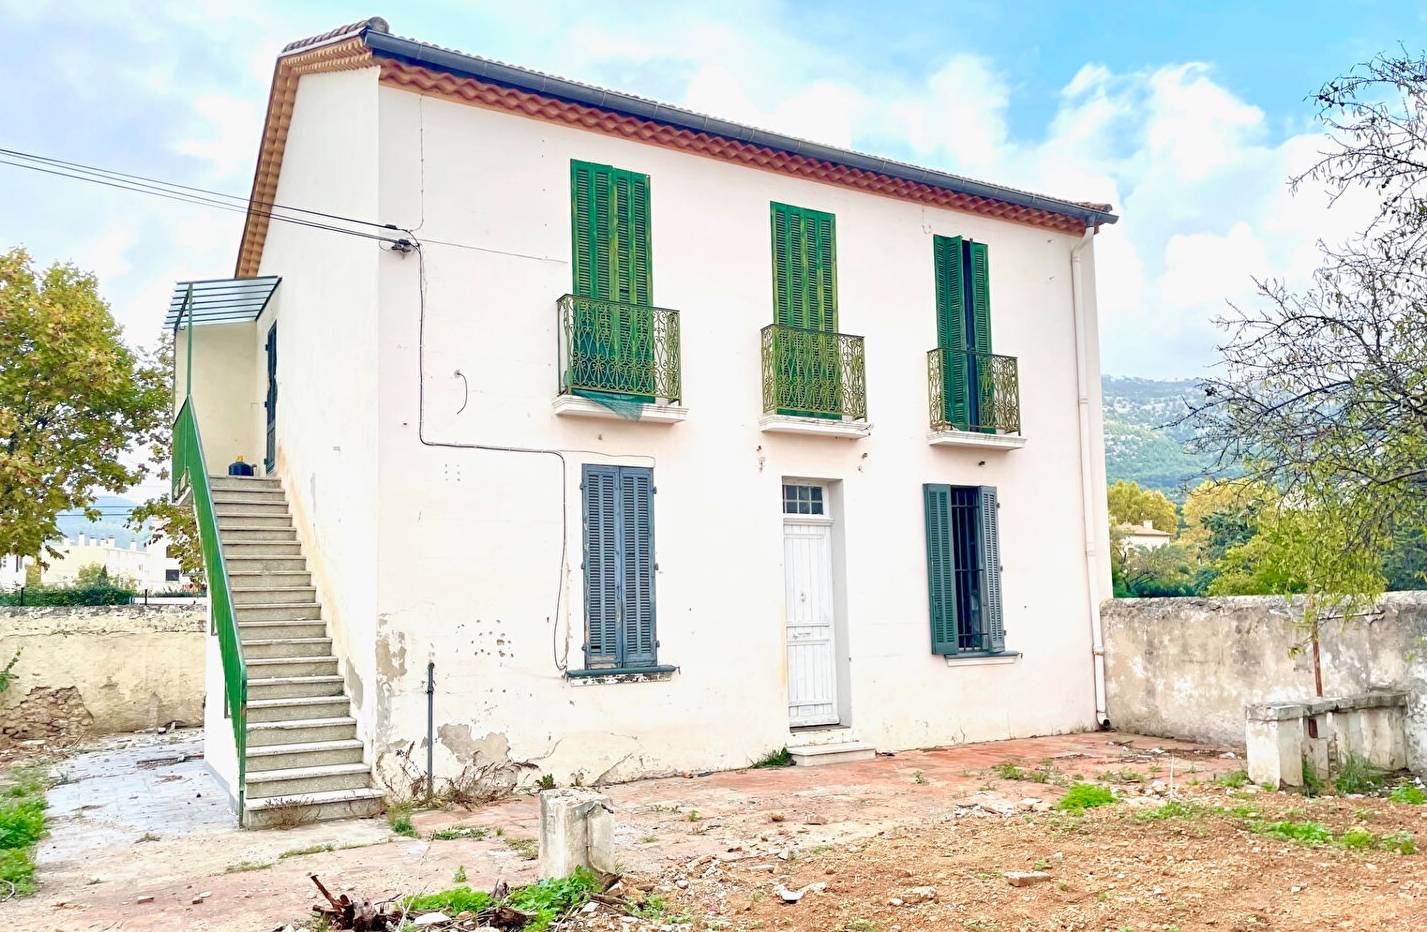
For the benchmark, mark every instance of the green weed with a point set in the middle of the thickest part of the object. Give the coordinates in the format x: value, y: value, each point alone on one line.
x: 458, y: 831
x: 1175, y: 809
x: 1312, y: 782
x: 1357, y: 838
x: 550, y: 899
x: 546, y: 782
x: 17, y: 866
x: 22, y: 822
x: 919, y: 778
x: 1122, y: 776
x: 1401, y: 842
x: 779, y: 758
x: 1234, y: 779
x: 525, y: 847
x: 451, y: 902
x: 1304, y: 833
x: 1357, y: 776
x: 1408, y: 793
x: 399, y: 818
x: 242, y: 867
x: 299, y: 852
x: 460, y: 875
x: 1082, y: 796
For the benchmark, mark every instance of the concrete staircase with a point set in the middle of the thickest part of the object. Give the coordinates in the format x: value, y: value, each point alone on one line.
x: 304, y: 762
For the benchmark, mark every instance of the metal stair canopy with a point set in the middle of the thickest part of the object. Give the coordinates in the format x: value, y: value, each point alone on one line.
x: 299, y: 757
x: 221, y: 300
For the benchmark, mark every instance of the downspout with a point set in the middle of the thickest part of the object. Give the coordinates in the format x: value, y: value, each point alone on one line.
x: 1087, y: 477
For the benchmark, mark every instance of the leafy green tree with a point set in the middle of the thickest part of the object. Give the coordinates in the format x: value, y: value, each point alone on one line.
x: 1131, y: 504
x: 73, y: 400
x: 1222, y: 514
x: 1152, y: 572
x: 175, y: 523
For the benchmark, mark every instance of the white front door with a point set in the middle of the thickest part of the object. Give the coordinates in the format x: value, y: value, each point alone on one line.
x: 812, y: 667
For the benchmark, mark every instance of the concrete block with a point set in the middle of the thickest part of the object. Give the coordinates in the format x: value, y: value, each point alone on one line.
x: 576, y: 830
x: 1274, y: 751
x: 1384, y: 733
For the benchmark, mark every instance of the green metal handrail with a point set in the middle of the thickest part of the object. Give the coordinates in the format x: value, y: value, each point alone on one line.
x: 813, y: 373
x: 189, y: 474
x: 990, y: 401
x: 611, y: 346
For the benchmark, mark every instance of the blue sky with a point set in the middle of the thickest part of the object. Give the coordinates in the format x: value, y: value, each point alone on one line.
x: 1187, y: 116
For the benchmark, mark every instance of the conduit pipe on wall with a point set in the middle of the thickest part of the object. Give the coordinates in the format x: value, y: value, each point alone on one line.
x: 1087, y: 475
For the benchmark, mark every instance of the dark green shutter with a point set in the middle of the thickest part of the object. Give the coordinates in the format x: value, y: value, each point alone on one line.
x: 804, y: 268
x: 989, y: 524
x: 951, y: 327
x: 602, y: 569
x: 941, y: 568
x: 984, y: 403
x: 611, y: 259
x: 637, y: 521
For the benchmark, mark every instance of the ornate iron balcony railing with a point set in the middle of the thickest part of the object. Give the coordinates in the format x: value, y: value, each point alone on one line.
x: 973, y: 391
x: 628, y: 349
x: 813, y: 373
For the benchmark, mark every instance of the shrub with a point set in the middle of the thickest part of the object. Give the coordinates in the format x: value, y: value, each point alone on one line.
x: 1234, y: 779
x: 22, y: 823
x: 457, y: 900
x: 18, y: 868
x: 778, y: 758
x: 1082, y: 796
x: 1305, y: 833
x: 69, y: 595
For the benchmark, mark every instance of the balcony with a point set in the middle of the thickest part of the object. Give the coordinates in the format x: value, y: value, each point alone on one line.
x: 813, y: 382
x: 618, y: 360
x: 988, y: 416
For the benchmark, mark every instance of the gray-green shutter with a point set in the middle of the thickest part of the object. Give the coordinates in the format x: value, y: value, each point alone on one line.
x: 636, y: 493
x: 951, y: 327
x: 602, y: 565
x: 941, y: 568
x: 989, y: 525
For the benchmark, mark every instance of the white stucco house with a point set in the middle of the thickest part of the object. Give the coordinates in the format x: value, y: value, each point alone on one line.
x: 660, y: 442
x: 1143, y: 535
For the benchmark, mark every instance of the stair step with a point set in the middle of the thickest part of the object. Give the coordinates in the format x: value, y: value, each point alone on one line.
x: 247, y: 510
x: 264, y: 648
x: 292, y: 666
x: 294, y: 709
x: 274, y: 595
x: 311, y: 754
x: 247, y: 522
x: 294, y: 687
x: 250, y: 577
x: 301, y: 731
x: 277, y: 630
x: 238, y: 483
x: 277, y: 611
x: 257, y: 550
x: 247, y: 563
x: 258, y: 496
x: 319, y: 779
x: 816, y: 755
x: 313, y: 807
x: 244, y: 534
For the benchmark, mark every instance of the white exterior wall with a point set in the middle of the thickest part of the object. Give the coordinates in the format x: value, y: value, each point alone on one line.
x: 327, y: 374
x: 224, y: 393
x: 470, y: 540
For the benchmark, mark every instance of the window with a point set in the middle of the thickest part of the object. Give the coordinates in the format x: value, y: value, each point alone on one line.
x: 170, y: 575
x: 963, y: 326
x: 964, y: 569
x: 802, y: 499
x: 619, y: 567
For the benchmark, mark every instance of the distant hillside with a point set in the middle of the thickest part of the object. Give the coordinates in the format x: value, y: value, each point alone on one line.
x: 1141, y: 443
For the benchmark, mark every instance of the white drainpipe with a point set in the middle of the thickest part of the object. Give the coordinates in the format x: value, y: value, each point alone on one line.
x: 1087, y: 476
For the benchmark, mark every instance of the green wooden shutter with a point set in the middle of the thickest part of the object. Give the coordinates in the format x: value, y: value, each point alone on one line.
x: 636, y: 488
x: 582, y: 183
x: 804, y: 268
x: 989, y: 525
x: 941, y: 568
x: 980, y: 298
x: 951, y: 328
x: 602, y: 565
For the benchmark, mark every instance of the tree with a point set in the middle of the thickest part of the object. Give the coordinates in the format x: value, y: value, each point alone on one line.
x: 173, y: 522
x: 1151, y: 572
x: 1131, y: 504
x: 1322, y: 396
x: 73, y: 400
x: 1223, y: 513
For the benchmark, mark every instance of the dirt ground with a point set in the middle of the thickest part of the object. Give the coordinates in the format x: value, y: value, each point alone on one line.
x: 931, y: 831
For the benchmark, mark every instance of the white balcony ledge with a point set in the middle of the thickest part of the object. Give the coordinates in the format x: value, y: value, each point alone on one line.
x: 975, y: 440
x: 826, y: 427
x: 575, y: 406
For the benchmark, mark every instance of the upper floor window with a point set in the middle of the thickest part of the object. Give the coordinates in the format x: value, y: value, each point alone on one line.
x: 963, y: 328
x: 610, y: 228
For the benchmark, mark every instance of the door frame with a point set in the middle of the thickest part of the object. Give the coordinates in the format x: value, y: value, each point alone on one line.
x: 270, y: 401
x: 828, y: 519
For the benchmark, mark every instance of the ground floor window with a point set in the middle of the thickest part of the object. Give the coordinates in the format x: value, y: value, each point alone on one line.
x: 619, y: 567
x: 964, y: 569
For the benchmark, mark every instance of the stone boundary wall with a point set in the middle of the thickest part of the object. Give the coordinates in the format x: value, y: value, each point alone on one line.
x: 93, y: 670
x: 1188, y: 667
